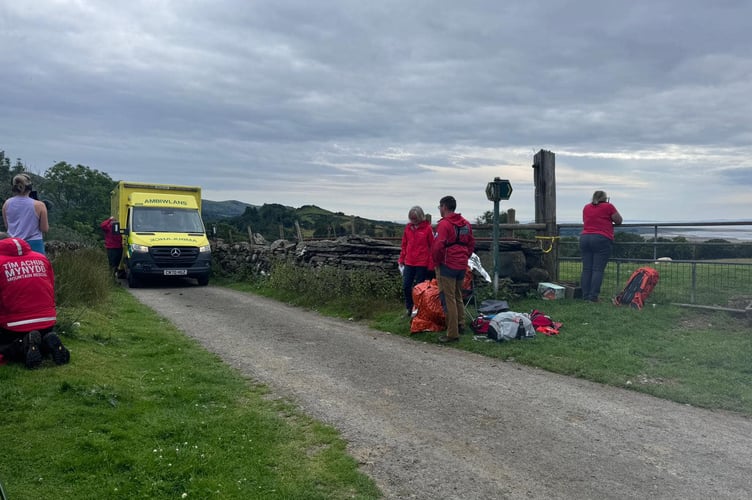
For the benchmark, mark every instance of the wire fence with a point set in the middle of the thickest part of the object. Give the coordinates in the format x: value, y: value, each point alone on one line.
x: 704, y: 264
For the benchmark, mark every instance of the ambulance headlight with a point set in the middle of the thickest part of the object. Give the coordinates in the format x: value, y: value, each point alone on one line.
x: 204, y: 249
x: 139, y: 248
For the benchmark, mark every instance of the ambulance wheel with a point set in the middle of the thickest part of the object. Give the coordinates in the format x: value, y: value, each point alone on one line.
x: 202, y: 280
x: 133, y: 282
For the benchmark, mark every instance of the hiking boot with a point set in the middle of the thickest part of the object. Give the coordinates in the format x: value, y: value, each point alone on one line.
x: 32, y: 349
x: 445, y: 340
x: 52, y: 344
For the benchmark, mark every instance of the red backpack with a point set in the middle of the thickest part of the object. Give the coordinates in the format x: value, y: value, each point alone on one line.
x: 544, y: 324
x: 639, y: 287
x: 480, y: 325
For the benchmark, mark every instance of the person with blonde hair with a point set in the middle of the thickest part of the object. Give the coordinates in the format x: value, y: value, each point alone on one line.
x: 25, y: 217
x: 415, y: 255
x: 599, y: 218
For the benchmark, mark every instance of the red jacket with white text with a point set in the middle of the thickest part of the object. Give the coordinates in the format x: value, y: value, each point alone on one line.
x: 27, y: 288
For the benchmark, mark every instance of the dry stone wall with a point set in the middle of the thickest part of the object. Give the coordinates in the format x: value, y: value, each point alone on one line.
x: 346, y: 252
x: 520, y: 261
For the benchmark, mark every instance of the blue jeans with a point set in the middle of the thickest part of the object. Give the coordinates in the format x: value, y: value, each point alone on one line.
x: 37, y: 245
x: 595, y: 249
x: 410, y: 276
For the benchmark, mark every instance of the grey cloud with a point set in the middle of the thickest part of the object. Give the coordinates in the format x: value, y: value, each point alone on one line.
x: 270, y: 90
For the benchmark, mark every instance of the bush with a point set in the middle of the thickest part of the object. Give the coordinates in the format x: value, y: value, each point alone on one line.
x: 359, y: 292
x: 82, y: 234
x: 82, y: 277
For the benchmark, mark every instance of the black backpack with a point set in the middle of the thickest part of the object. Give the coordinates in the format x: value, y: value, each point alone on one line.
x: 462, y: 231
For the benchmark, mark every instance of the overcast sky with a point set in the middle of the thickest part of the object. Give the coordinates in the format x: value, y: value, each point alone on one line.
x: 370, y: 107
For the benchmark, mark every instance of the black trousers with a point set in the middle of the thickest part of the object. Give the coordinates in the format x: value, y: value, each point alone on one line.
x: 114, y: 255
x: 13, y: 345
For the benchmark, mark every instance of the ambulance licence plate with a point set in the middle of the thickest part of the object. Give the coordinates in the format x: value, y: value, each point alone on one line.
x: 175, y: 272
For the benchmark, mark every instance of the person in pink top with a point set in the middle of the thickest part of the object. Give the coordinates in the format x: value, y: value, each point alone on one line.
x: 415, y: 256
x: 599, y: 218
x: 24, y: 216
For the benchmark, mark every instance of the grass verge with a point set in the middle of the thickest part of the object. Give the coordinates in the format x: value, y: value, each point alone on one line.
x: 144, y: 412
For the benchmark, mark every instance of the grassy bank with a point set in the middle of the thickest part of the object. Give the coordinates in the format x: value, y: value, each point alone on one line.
x: 144, y: 412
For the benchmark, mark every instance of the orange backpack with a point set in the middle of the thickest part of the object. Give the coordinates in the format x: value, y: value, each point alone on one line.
x: 638, y: 288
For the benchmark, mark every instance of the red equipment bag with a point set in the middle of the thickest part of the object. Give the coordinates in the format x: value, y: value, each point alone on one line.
x: 639, y: 287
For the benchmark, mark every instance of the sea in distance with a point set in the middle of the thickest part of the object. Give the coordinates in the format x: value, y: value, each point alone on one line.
x: 731, y: 233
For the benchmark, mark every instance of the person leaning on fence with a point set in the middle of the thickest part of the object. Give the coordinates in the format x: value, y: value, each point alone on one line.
x: 27, y: 306
x: 415, y: 256
x: 453, y: 246
x: 599, y: 218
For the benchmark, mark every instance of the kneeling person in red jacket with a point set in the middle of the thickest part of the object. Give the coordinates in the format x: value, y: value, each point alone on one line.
x: 27, y: 305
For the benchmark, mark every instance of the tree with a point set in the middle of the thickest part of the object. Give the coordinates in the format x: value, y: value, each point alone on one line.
x: 322, y: 228
x: 79, y: 196
x: 7, y: 172
x: 716, y: 248
x: 5, y: 177
x: 631, y: 246
x: 678, y: 248
x: 487, y: 218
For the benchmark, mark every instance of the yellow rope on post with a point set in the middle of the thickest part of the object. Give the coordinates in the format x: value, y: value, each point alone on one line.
x: 551, y: 240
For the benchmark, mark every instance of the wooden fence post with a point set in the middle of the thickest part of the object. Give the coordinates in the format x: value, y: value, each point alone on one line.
x: 544, y: 166
x: 511, y: 215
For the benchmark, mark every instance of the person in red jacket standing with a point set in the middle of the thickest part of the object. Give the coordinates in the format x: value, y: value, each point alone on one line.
x: 453, y: 246
x: 27, y: 305
x: 113, y: 243
x: 415, y: 257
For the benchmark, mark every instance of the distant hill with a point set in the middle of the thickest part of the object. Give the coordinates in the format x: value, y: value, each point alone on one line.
x: 214, y: 211
x: 274, y: 221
